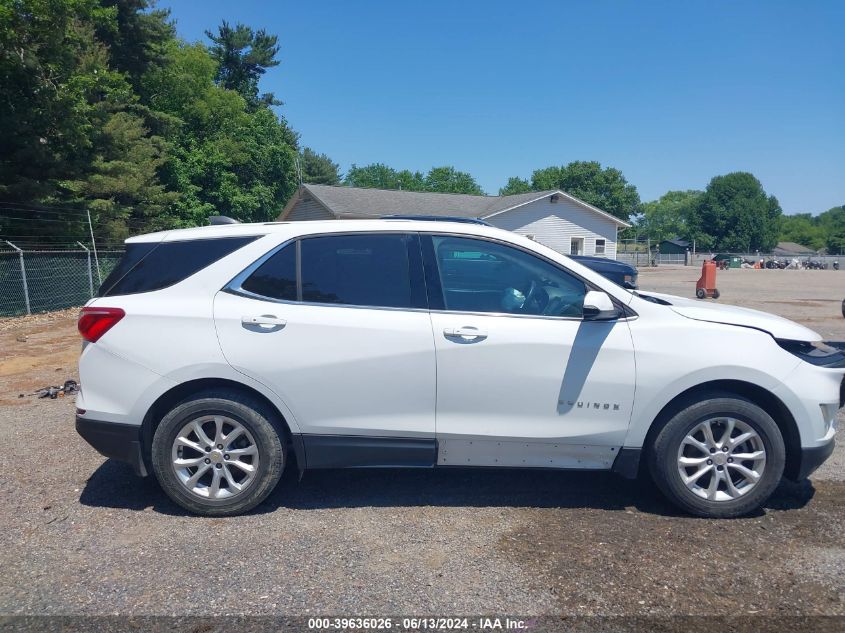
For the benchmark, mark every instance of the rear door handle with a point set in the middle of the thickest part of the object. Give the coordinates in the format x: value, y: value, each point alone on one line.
x: 465, y: 332
x: 264, y: 319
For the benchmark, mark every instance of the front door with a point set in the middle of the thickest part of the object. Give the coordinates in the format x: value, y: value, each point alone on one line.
x: 336, y: 325
x: 522, y: 378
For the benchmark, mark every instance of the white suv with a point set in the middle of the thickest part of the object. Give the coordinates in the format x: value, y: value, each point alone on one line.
x: 216, y: 356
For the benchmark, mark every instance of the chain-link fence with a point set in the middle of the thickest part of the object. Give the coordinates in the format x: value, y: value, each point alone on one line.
x: 42, y: 280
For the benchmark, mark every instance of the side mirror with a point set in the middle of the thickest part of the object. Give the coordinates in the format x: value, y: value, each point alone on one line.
x: 599, y: 307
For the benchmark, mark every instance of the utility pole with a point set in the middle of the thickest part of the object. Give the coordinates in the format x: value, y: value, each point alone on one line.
x: 90, y: 276
x: 23, y: 277
x: 94, y: 246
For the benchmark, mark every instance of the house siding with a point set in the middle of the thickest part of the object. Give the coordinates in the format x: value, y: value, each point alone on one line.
x: 309, y: 209
x: 553, y: 224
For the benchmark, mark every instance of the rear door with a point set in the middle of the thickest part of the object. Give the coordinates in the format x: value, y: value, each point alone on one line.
x: 337, y: 326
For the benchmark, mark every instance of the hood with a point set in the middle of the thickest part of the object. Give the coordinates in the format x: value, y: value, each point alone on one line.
x: 775, y: 325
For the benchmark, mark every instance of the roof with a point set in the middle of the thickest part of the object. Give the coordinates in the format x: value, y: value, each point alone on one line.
x: 678, y: 242
x: 273, y: 233
x: 356, y: 202
x: 792, y: 247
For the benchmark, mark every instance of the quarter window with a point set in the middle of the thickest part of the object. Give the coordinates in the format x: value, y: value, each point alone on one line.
x: 275, y: 278
x: 146, y: 267
x: 481, y: 276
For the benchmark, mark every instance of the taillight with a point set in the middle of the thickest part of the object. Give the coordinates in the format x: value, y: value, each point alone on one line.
x: 94, y: 322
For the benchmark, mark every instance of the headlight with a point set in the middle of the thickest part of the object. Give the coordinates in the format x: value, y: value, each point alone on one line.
x: 818, y: 353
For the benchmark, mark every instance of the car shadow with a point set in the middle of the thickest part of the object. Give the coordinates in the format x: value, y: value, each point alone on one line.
x: 114, y: 485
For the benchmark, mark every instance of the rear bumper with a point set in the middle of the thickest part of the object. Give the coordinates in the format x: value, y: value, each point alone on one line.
x: 116, y: 441
x: 812, y: 458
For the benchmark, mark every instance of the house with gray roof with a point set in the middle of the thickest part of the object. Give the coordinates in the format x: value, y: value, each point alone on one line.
x: 553, y: 218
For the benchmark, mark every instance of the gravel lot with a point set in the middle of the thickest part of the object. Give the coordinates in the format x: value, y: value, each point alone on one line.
x: 82, y: 535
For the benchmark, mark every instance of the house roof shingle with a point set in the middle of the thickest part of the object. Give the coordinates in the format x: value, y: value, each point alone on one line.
x: 785, y: 248
x: 356, y: 202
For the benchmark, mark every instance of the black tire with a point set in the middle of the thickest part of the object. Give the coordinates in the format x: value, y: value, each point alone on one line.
x: 253, y: 415
x: 700, y: 293
x: 716, y: 294
x: 663, y: 458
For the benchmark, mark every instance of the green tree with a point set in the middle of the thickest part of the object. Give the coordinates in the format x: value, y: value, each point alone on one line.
x: 832, y: 225
x: 735, y: 214
x: 450, y: 180
x: 318, y: 168
x: 380, y: 176
x: 124, y: 186
x: 804, y: 229
x: 605, y: 188
x: 669, y: 216
x: 243, y: 56
x: 225, y: 157
x: 515, y: 185
x: 56, y: 88
x: 137, y: 38
x: 437, y: 180
x: 102, y: 108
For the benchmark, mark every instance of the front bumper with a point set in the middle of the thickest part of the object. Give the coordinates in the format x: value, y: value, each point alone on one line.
x: 116, y: 441
x: 812, y: 458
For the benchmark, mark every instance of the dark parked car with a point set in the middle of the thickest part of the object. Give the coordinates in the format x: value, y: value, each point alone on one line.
x: 619, y: 273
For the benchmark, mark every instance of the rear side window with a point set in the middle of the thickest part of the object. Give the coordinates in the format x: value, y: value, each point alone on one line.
x: 363, y: 270
x: 378, y: 270
x: 146, y: 267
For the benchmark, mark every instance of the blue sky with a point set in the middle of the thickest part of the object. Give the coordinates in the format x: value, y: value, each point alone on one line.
x: 671, y: 93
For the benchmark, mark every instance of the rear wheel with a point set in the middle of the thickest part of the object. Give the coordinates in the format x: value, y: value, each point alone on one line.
x: 720, y: 457
x: 218, y: 454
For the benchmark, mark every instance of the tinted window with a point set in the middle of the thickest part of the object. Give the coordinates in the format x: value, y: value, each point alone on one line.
x: 482, y: 276
x: 364, y: 270
x: 275, y: 278
x: 134, y: 253
x: 145, y: 268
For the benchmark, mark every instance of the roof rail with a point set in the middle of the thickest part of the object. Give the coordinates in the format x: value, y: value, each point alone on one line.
x: 436, y: 218
x: 216, y: 220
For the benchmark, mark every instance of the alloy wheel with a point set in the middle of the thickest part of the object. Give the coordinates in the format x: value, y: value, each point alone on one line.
x: 721, y: 459
x: 215, y: 457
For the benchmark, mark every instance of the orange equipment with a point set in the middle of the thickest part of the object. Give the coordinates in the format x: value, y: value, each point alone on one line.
x: 706, y: 284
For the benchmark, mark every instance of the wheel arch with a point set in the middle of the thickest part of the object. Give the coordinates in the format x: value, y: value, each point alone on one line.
x: 181, y: 392
x: 760, y: 396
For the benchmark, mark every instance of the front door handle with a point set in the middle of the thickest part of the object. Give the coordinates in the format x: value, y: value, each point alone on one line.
x: 264, y: 319
x: 466, y: 333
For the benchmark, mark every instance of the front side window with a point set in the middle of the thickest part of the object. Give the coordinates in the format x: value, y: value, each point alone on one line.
x: 600, y: 247
x: 481, y: 276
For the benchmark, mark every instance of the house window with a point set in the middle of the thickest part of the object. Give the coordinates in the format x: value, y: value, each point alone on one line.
x: 600, y: 247
x: 576, y: 246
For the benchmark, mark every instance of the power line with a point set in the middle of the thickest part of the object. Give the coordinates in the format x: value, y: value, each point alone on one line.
x: 44, y: 207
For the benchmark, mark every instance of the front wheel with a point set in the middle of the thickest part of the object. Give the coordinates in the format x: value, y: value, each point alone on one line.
x: 218, y: 454
x: 721, y: 457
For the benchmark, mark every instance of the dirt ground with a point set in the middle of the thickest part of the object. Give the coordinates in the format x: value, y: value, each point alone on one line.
x: 811, y: 297
x: 82, y: 535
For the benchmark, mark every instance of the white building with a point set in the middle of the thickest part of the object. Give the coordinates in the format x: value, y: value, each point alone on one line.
x: 553, y: 218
